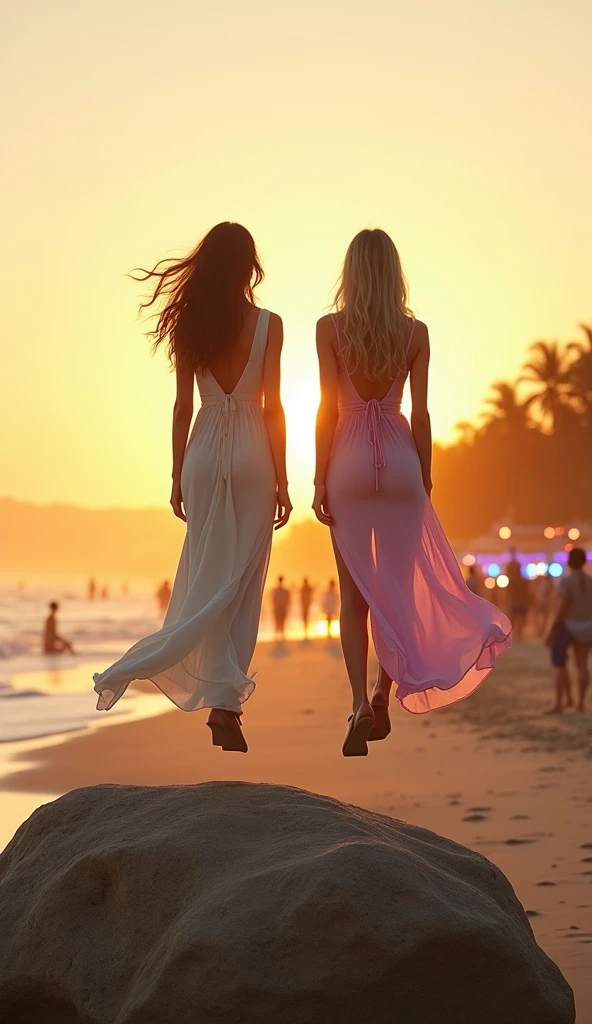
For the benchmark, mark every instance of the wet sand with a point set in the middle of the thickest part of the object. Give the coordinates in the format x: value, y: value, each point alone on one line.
x: 492, y: 772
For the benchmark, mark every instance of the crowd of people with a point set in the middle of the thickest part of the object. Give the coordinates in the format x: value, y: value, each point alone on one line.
x: 281, y: 599
x: 559, y: 612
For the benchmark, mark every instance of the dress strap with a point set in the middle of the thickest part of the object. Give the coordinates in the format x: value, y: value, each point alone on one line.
x: 260, y: 339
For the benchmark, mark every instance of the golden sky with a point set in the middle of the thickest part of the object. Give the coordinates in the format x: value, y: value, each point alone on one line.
x: 131, y: 127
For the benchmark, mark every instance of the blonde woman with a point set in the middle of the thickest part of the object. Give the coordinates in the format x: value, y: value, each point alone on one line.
x: 434, y: 638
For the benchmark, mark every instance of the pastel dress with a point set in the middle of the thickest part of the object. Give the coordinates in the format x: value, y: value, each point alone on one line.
x: 433, y: 637
x: 201, y: 656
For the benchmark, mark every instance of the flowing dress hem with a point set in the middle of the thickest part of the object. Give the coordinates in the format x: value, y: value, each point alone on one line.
x: 494, y: 648
x: 201, y: 705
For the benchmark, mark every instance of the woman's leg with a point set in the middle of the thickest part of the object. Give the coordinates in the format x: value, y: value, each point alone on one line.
x: 581, y: 652
x: 353, y: 621
x: 560, y: 642
x: 382, y: 688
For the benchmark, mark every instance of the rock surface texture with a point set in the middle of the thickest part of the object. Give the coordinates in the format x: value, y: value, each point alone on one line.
x: 232, y: 903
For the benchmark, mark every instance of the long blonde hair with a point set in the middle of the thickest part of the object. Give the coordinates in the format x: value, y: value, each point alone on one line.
x: 372, y: 298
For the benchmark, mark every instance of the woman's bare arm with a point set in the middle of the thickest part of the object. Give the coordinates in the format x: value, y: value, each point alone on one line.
x: 275, y: 420
x: 182, y: 416
x: 327, y: 415
x: 420, y: 417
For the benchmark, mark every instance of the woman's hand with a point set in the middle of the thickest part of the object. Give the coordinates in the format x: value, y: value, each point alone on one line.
x: 284, y: 507
x: 320, y: 505
x: 177, y: 501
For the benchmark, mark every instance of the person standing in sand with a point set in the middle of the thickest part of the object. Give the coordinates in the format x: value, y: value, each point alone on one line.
x: 572, y: 627
x: 306, y: 596
x: 330, y: 605
x: 281, y: 606
x: 433, y: 637
x: 228, y: 481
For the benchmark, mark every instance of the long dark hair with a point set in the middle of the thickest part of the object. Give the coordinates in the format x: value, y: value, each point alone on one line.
x: 204, y: 296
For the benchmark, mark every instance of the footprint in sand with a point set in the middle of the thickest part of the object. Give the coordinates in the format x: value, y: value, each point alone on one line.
x: 586, y: 846
x: 519, y: 842
x: 453, y: 796
x: 586, y: 860
x: 552, y: 768
x: 480, y: 810
x: 454, y: 803
x: 586, y: 872
x: 547, y: 885
x: 475, y: 817
x: 520, y: 817
x: 533, y: 913
x: 308, y: 711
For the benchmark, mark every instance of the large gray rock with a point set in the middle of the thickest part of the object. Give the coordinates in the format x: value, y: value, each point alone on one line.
x: 232, y: 903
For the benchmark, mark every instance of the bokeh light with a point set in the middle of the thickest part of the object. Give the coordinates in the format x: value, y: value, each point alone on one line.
x: 531, y: 571
x: 542, y: 568
x: 490, y: 583
x: 502, y: 581
x: 493, y: 569
x: 568, y: 548
x: 555, y: 569
x: 559, y: 531
x: 574, y: 533
x: 505, y: 532
x: 469, y: 560
x: 549, y: 532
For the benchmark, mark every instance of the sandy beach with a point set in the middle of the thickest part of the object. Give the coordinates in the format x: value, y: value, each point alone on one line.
x: 493, y: 772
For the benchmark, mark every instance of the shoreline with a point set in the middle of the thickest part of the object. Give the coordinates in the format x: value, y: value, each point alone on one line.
x: 492, y: 772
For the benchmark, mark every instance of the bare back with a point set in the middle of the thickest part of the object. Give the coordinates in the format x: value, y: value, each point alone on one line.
x: 229, y: 369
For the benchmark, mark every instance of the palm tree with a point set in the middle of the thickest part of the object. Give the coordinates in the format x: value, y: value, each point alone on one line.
x: 580, y: 373
x: 505, y: 408
x: 549, y: 372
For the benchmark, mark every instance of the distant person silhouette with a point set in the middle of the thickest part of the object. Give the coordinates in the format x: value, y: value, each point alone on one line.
x: 281, y: 605
x: 330, y: 604
x: 572, y: 627
x: 473, y: 582
x: 306, y: 595
x: 105, y: 592
x: 53, y: 643
x: 92, y: 589
x: 163, y: 596
x: 517, y: 595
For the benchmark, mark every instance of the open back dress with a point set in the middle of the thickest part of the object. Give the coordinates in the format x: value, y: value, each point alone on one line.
x: 433, y: 637
x: 201, y: 656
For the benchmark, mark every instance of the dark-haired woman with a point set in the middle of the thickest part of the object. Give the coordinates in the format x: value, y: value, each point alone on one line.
x: 572, y: 627
x: 229, y: 481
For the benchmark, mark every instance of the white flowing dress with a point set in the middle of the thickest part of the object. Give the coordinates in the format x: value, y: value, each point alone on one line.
x: 201, y: 656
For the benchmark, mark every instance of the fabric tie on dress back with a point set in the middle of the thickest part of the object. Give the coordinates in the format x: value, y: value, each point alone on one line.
x: 374, y: 424
x: 226, y: 425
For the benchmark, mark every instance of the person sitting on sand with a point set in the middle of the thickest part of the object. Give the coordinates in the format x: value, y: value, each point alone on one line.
x: 53, y: 643
x: 572, y: 627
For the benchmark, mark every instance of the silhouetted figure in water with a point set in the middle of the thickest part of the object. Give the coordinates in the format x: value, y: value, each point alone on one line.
x: 92, y: 590
x: 53, y: 643
x: 163, y: 596
x: 306, y: 592
x: 330, y: 605
x: 281, y: 605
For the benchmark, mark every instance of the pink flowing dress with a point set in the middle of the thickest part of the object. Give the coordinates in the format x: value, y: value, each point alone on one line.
x: 433, y: 637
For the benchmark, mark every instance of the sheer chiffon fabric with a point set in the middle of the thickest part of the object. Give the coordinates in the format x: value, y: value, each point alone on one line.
x: 201, y: 656
x: 433, y: 637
